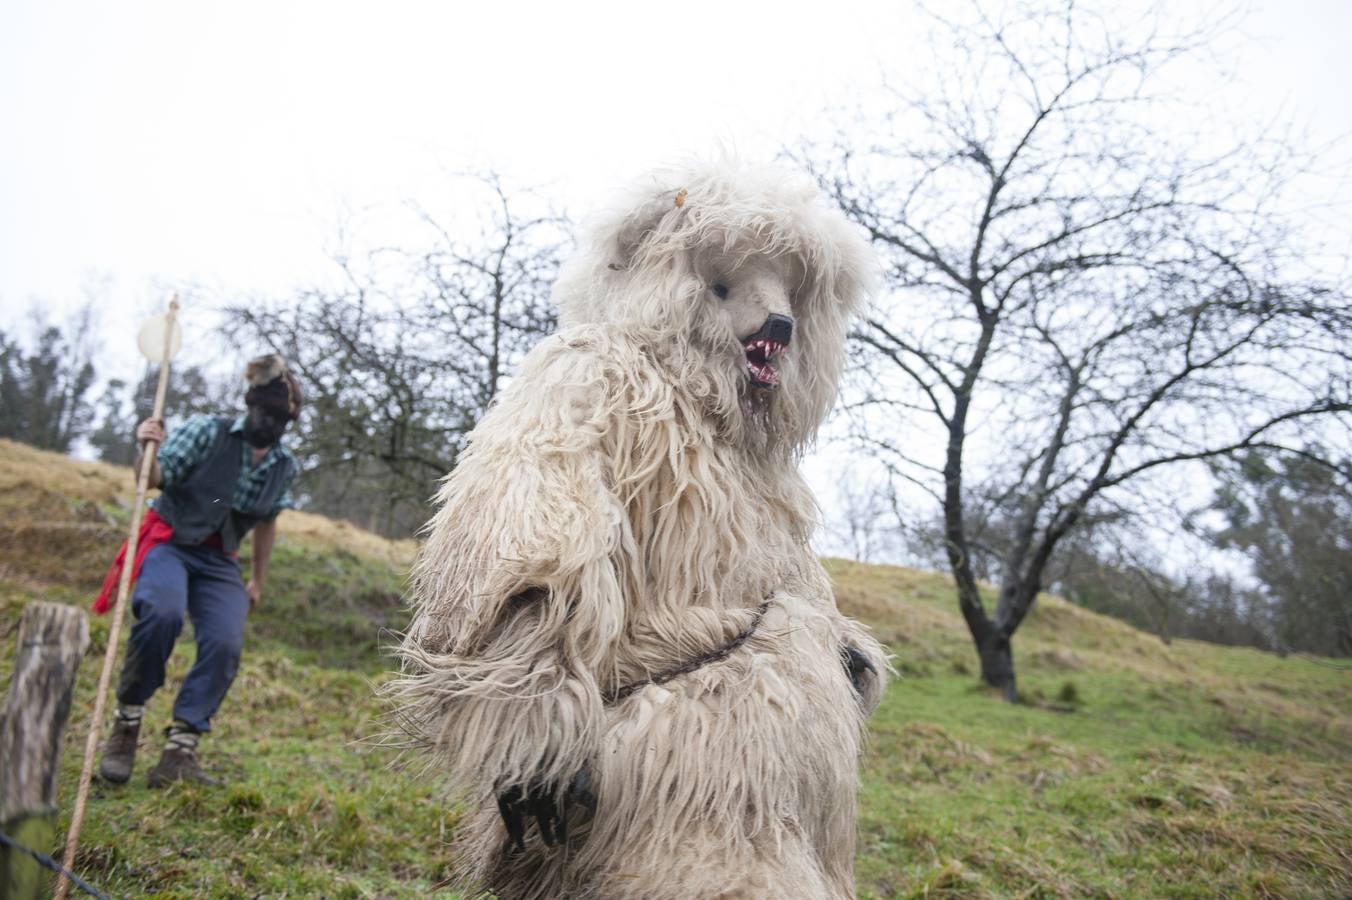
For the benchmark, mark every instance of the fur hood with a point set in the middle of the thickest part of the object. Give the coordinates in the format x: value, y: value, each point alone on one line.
x: 639, y: 269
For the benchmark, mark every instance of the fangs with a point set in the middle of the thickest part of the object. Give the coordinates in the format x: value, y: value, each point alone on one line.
x: 760, y: 354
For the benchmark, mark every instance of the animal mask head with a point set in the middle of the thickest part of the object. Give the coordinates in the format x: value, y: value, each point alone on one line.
x: 742, y: 280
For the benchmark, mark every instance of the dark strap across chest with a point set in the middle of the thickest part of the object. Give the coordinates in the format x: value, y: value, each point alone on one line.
x: 692, y: 665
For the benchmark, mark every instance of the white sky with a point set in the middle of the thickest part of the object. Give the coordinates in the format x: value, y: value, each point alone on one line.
x: 150, y: 144
x: 221, y: 143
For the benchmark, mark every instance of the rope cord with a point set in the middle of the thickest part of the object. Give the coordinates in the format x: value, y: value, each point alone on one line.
x: 698, y: 662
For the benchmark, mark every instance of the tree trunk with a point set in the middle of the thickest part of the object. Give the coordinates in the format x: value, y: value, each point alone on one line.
x: 995, y: 644
x: 53, y: 638
x: 997, y: 662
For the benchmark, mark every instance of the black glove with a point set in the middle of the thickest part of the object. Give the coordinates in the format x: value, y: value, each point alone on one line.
x: 855, y: 665
x: 518, y: 805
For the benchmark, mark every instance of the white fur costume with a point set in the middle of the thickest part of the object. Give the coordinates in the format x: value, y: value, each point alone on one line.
x: 626, y: 507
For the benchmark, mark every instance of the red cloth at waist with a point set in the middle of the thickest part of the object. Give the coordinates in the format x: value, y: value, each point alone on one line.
x: 154, y: 531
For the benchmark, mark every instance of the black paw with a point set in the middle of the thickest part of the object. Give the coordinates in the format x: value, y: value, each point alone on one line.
x: 856, y: 664
x: 579, y: 789
x: 542, y: 803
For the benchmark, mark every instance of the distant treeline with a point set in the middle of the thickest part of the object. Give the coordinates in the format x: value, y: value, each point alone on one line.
x: 1290, y: 517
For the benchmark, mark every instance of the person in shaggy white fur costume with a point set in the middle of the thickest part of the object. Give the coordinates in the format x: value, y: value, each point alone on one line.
x: 623, y: 649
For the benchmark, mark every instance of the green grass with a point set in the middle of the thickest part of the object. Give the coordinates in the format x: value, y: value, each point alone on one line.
x: 311, y: 807
x: 1136, y: 769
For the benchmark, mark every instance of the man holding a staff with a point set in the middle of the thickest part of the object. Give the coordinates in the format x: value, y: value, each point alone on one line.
x: 219, y: 478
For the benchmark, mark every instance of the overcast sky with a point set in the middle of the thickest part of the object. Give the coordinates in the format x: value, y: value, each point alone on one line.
x: 155, y: 144
x: 222, y: 143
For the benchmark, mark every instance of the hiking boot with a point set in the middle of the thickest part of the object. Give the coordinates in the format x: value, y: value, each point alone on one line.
x: 178, y: 764
x: 119, y: 752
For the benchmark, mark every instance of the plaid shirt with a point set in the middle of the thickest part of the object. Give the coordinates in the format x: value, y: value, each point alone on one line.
x: 187, y: 446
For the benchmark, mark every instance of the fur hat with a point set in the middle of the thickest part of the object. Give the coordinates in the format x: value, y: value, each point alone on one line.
x: 272, y: 386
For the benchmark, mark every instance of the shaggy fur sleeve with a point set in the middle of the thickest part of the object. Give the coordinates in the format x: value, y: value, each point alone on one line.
x: 516, y: 601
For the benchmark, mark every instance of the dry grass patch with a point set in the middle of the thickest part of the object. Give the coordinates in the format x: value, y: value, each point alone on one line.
x: 77, y: 512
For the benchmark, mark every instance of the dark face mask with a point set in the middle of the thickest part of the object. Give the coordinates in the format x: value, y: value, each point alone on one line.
x: 263, y: 428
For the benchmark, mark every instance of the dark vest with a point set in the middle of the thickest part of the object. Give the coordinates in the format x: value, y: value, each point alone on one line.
x: 199, y: 506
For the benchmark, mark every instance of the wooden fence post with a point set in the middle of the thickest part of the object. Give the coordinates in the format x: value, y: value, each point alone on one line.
x: 53, y: 638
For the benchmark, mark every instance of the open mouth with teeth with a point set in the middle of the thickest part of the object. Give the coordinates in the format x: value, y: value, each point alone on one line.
x: 761, y: 355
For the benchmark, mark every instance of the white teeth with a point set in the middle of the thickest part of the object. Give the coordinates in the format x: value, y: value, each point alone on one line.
x: 765, y: 374
x: 769, y: 348
x: 763, y: 371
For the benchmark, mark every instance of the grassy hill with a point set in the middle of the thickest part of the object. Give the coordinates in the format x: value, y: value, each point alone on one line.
x: 1137, y: 769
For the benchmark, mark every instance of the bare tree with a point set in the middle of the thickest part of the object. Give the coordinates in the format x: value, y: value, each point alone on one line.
x: 865, y: 524
x: 1200, y: 602
x: 402, y: 360
x: 1079, y: 294
x: 1113, y: 568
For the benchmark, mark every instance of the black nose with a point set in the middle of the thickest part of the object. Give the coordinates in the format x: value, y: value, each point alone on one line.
x: 777, y: 328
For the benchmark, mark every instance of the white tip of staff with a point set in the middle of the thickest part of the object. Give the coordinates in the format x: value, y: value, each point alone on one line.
x: 150, y: 340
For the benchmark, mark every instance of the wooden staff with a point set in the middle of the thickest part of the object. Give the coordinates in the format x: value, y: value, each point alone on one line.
x: 115, y: 629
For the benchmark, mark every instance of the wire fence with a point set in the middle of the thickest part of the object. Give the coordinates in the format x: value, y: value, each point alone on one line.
x: 48, y: 863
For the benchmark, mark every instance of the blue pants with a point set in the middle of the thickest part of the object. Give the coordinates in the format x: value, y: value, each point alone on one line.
x: 202, y: 583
